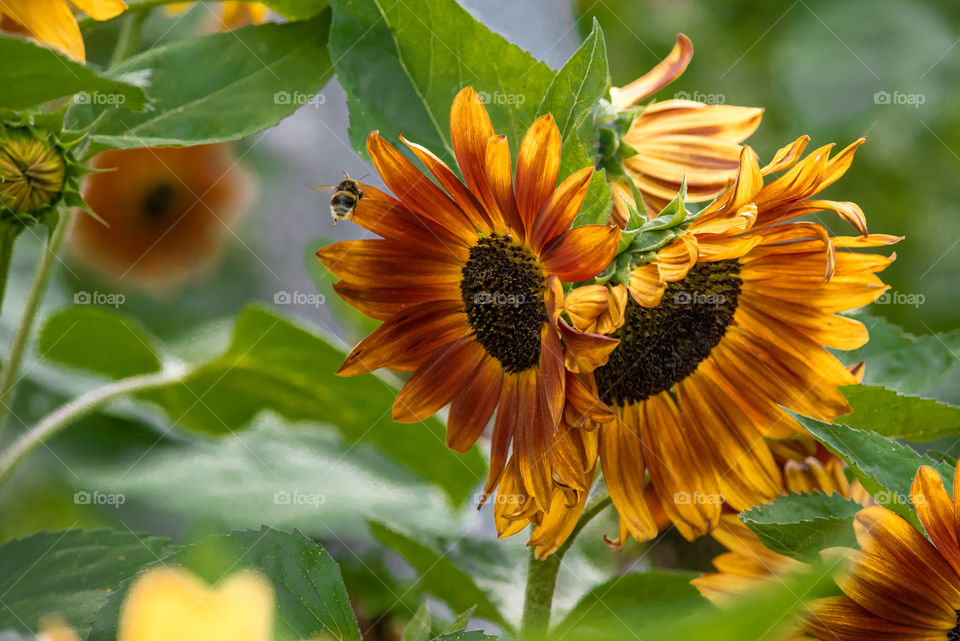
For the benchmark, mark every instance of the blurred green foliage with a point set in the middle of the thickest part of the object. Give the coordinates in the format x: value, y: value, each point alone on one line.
x: 816, y: 67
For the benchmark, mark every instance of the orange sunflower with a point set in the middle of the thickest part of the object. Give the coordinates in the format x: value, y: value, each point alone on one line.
x: 900, y: 585
x: 727, y: 320
x: 466, y: 278
x: 747, y: 562
x: 165, y: 213
x: 52, y: 21
x: 677, y: 139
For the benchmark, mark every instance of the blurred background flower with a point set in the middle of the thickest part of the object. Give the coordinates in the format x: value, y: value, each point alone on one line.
x: 232, y: 15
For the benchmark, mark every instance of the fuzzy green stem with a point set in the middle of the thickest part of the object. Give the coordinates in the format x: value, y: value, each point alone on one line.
x: 542, y: 578
x: 11, y: 366
x: 76, y: 409
x: 129, y: 36
x: 9, y: 231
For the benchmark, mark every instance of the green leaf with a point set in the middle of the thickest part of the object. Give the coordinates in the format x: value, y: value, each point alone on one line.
x: 571, y: 98
x: 98, y: 340
x: 800, y: 525
x: 641, y: 598
x: 885, y: 467
x: 274, y: 364
x: 886, y: 412
x: 438, y: 574
x: 68, y: 573
x: 217, y: 87
x: 927, y: 366
x: 402, y: 63
x: 460, y: 623
x: 418, y: 629
x: 32, y: 74
x: 465, y: 635
x: 311, y: 602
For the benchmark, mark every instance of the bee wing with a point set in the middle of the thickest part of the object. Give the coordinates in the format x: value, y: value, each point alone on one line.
x: 322, y: 187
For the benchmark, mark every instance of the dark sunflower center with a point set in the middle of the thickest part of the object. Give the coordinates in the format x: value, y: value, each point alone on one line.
x: 159, y: 200
x: 954, y: 634
x: 663, y: 345
x: 502, y: 288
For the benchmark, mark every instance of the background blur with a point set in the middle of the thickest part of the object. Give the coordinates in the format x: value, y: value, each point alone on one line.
x: 835, y: 71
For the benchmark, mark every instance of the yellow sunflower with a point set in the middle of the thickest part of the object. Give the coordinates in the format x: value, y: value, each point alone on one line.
x: 747, y: 562
x: 52, y: 21
x: 726, y: 322
x: 466, y: 279
x: 900, y: 585
x: 677, y: 139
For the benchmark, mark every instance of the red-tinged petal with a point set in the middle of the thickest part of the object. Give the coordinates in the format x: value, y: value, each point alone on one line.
x: 936, y: 511
x: 561, y: 208
x: 552, y: 372
x: 417, y: 192
x: 473, y: 406
x: 391, y: 220
x: 585, y: 352
x: 533, y: 432
x: 386, y: 263
x: 500, y: 184
x: 666, y: 71
x: 538, y: 165
x: 403, y: 341
x: 382, y: 303
x: 503, y: 430
x: 581, y: 253
x: 470, y: 129
x: 444, y: 372
x: 841, y: 619
x: 465, y: 200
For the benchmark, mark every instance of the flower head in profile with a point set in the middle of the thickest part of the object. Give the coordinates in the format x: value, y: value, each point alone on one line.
x: 675, y: 140
x: 727, y: 323
x: 52, y: 21
x: 164, y: 213
x: 900, y: 584
x: 466, y: 277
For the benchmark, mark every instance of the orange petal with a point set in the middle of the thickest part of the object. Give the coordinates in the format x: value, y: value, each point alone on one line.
x: 841, y: 619
x: 380, y: 262
x: 443, y: 373
x: 500, y: 180
x: 472, y: 407
x: 937, y: 513
x: 538, y: 165
x: 666, y: 71
x: 470, y: 129
x: 581, y: 253
x: 621, y: 457
x: 561, y: 208
x: 101, y: 9
x: 50, y: 22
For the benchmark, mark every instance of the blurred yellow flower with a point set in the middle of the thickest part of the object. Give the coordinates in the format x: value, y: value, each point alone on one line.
x: 233, y: 14
x: 52, y: 21
x: 168, y: 604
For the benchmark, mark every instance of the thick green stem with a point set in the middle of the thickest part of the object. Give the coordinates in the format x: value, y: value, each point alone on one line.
x: 542, y: 578
x: 11, y: 366
x: 9, y: 230
x: 77, y: 409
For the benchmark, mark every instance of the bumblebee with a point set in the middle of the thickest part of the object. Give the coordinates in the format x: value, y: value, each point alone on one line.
x: 345, y: 197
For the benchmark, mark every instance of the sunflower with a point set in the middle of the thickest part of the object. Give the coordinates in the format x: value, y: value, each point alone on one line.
x: 233, y: 15
x: 466, y: 278
x: 164, y: 213
x: 677, y: 139
x: 726, y: 322
x: 52, y: 21
x: 899, y: 585
x: 747, y: 562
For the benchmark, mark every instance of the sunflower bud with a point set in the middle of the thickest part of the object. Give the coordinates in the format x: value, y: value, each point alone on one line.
x: 32, y: 174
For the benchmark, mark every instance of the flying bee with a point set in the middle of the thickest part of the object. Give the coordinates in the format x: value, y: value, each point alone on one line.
x: 345, y: 197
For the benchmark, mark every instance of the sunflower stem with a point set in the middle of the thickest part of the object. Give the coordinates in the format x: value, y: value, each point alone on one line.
x: 129, y: 37
x: 11, y: 366
x: 76, y: 409
x: 542, y: 578
x: 9, y: 231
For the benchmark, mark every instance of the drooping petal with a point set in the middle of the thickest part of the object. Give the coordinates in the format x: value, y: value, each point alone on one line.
x: 581, y: 253
x: 666, y: 71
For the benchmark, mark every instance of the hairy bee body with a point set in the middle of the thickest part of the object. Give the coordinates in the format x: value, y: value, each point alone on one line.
x: 345, y: 197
